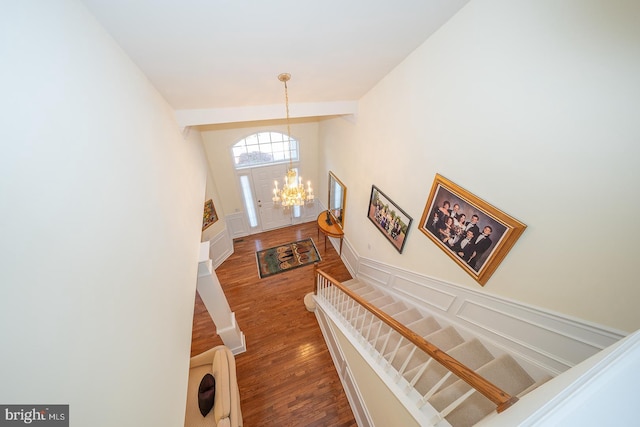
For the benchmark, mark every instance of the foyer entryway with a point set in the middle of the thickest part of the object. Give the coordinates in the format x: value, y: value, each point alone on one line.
x: 257, y: 191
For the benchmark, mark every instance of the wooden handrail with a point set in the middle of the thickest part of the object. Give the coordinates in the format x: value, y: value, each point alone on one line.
x: 501, y: 399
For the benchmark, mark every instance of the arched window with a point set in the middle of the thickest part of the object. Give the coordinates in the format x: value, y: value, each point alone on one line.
x: 264, y: 148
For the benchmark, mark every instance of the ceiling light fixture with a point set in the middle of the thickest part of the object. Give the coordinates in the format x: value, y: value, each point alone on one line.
x: 292, y: 192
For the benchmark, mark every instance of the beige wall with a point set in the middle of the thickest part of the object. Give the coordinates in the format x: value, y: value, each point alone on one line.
x: 101, y: 219
x: 383, y: 406
x: 533, y: 106
x: 211, y: 192
x: 218, y: 141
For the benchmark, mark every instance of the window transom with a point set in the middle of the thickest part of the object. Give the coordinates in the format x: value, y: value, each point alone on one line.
x: 264, y: 148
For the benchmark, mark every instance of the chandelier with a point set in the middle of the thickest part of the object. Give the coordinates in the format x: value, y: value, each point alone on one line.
x: 292, y: 192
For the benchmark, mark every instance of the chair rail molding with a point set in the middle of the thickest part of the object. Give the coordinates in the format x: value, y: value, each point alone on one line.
x: 554, y: 342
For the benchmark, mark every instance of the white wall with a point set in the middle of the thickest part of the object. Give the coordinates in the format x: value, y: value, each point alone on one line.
x: 532, y: 106
x: 101, y: 207
x: 211, y: 192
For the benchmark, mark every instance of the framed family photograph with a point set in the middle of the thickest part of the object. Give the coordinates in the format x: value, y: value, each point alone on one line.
x: 475, y: 234
x: 210, y: 216
x: 388, y: 218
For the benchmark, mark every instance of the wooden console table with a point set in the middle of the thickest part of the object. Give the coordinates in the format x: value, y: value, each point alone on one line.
x: 332, y: 230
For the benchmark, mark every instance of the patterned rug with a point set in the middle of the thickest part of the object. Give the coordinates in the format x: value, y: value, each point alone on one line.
x: 286, y: 257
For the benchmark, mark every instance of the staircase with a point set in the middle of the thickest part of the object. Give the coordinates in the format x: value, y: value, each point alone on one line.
x: 427, y: 383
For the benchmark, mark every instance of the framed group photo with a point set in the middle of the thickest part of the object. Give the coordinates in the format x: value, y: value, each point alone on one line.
x: 388, y: 218
x: 473, y: 233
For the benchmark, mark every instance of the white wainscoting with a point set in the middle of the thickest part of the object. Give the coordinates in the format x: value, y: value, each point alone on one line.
x: 545, y: 340
x: 237, y: 225
x: 220, y: 247
x: 308, y: 213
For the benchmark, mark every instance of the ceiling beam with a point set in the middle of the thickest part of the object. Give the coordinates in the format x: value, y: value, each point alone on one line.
x: 212, y: 116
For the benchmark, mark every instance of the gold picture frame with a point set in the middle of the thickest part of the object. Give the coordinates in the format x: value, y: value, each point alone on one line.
x: 210, y: 216
x: 451, y: 213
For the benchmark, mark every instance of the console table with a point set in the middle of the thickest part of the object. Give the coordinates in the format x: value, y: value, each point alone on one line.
x: 332, y: 230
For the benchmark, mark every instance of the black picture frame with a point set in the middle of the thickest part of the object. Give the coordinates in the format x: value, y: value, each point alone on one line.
x: 393, y: 222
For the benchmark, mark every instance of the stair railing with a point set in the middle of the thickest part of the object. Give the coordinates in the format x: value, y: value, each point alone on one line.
x: 335, y: 292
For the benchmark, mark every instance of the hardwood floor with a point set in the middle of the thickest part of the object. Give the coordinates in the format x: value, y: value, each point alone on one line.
x: 286, y: 377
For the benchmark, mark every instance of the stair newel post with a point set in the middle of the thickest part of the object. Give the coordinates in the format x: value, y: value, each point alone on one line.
x: 315, y: 278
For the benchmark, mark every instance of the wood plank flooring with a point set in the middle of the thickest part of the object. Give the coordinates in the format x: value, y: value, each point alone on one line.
x: 286, y: 377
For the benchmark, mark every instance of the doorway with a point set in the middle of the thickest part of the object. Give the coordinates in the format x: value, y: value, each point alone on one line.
x: 257, y: 193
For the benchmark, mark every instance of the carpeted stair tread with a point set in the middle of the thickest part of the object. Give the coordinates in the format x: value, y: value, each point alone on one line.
x: 444, y: 339
x: 424, y: 326
x: 535, y: 386
x: 371, y: 294
x: 405, y: 317
x: 503, y: 371
x: 362, y: 288
x: 394, y: 308
x: 358, y: 286
x: 375, y: 324
x: 375, y: 298
x: 382, y: 301
x: 369, y: 297
x: 353, y: 283
x: 368, y: 294
x: 470, y: 353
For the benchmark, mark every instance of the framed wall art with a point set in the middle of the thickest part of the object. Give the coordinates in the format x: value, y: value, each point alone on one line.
x: 210, y: 216
x: 473, y: 233
x: 388, y: 218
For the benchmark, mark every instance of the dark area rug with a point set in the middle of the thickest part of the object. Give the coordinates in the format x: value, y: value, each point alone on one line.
x: 286, y: 257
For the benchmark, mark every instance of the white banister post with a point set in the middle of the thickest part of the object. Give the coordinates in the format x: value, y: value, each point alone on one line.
x: 215, y: 301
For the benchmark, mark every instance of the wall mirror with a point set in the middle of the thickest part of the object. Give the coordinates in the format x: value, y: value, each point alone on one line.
x: 337, y: 199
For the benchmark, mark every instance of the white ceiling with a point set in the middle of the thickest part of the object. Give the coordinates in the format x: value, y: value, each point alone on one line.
x: 226, y: 54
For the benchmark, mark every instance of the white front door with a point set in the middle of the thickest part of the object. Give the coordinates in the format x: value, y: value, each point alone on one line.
x: 271, y: 215
x: 257, y: 191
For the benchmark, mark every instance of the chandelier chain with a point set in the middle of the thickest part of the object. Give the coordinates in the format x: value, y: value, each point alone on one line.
x: 293, y: 192
x: 286, y: 103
